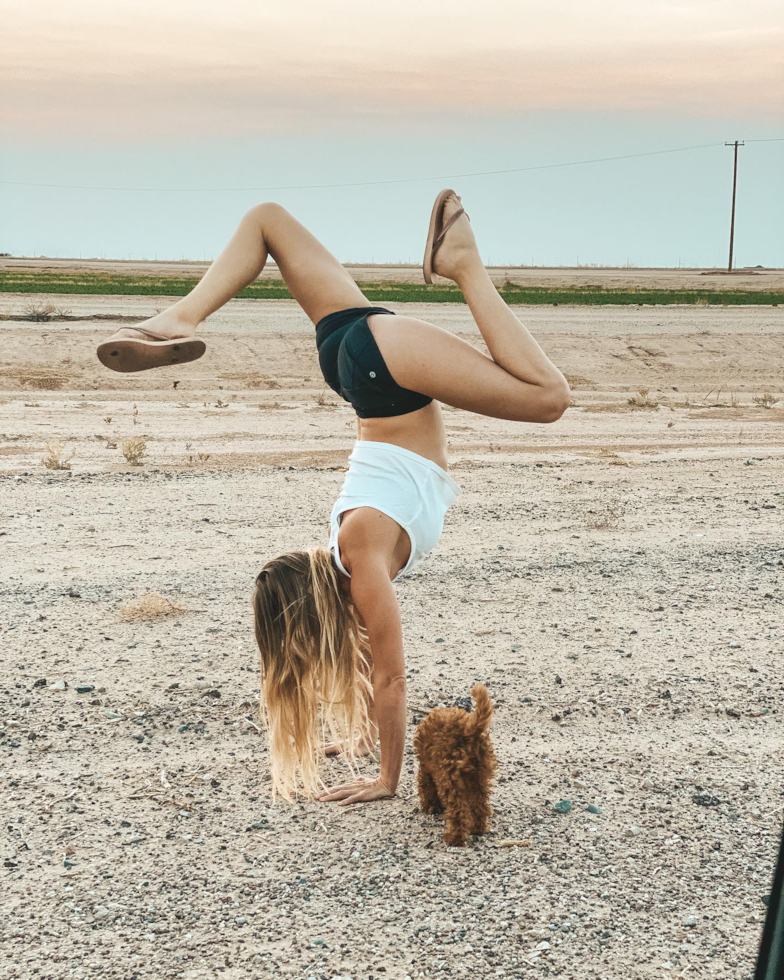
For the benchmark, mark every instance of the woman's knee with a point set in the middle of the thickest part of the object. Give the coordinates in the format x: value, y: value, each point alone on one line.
x: 555, y: 400
x: 267, y: 211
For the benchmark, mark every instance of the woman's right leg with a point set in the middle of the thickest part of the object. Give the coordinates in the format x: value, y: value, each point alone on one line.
x: 315, y: 278
x: 517, y: 382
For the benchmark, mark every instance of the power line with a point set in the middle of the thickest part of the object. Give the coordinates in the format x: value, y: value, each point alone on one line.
x: 368, y: 183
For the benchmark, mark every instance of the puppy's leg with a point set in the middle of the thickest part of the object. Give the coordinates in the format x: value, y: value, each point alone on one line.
x: 428, y: 794
x: 458, y: 819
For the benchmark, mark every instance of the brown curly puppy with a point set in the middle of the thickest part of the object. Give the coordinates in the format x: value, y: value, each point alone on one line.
x: 456, y: 767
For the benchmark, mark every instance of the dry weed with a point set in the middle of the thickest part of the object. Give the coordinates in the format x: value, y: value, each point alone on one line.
x: 134, y: 450
x: 39, y: 312
x: 55, y: 458
x: 152, y: 605
x: 766, y: 400
x: 642, y: 399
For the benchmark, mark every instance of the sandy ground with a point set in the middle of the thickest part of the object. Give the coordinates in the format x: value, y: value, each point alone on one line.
x: 615, y: 579
x: 759, y: 279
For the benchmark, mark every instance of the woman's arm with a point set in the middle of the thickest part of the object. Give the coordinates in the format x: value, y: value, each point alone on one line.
x: 376, y: 603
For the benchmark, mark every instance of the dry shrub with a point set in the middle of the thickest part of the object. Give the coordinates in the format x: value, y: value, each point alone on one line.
x: 39, y: 312
x: 152, y: 605
x: 55, y: 458
x: 766, y: 401
x: 134, y: 450
x: 702, y: 301
x: 642, y: 399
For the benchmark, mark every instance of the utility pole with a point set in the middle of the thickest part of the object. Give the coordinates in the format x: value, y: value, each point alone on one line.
x: 736, y: 144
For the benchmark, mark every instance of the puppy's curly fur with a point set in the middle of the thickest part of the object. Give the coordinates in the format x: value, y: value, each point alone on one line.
x: 456, y: 767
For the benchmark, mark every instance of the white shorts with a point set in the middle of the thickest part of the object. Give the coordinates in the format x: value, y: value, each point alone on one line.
x: 409, y: 488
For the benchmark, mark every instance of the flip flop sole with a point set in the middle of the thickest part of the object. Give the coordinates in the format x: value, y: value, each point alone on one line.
x: 127, y: 355
x: 427, y: 264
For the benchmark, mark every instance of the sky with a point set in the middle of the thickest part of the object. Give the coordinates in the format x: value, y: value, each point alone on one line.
x: 143, y: 130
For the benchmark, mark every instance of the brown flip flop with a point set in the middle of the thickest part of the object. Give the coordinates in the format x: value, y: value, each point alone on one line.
x: 436, y: 232
x: 126, y: 354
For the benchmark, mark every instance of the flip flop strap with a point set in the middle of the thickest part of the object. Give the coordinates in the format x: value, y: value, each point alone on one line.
x: 149, y: 333
x: 439, y: 241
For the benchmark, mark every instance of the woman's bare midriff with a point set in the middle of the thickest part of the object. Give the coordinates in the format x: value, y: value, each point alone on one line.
x: 422, y: 432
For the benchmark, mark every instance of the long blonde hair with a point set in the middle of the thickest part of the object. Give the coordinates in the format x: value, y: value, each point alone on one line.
x: 315, y: 668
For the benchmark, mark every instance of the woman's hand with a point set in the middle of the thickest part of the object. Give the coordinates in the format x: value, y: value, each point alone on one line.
x: 359, y: 790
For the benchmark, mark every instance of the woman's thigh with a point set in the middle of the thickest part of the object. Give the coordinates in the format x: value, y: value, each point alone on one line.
x: 315, y: 278
x: 434, y: 362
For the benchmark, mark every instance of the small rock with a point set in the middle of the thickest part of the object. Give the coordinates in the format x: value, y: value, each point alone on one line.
x: 632, y: 832
x: 593, y: 808
x: 41, y: 682
x: 690, y: 920
x: 318, y: 941
x: 240, y: 920
x: 563, y: 806
x: 58, y: 686
x: 112, y: 715
x: 580, y: 783
x: 85, y: 688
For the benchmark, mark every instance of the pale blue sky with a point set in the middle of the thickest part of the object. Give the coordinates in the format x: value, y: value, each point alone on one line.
x: 249, y: 95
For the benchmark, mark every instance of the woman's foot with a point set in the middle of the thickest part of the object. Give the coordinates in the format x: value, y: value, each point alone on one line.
x: 458, y: 252
x: 162, y: 340
x: 166, y: 324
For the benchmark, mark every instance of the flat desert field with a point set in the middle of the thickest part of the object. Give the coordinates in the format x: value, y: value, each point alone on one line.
x: 616, y: 579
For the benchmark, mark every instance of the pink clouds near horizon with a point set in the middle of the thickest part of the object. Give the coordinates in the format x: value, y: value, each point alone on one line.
x: 82, y: 68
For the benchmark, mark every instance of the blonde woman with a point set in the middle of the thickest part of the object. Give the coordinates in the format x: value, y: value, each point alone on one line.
x: 327, y: 620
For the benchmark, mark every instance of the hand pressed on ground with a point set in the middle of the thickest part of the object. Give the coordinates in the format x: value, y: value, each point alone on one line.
x: 359, y: 790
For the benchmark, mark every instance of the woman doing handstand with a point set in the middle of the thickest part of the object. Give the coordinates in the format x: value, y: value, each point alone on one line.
x: 327, y: 620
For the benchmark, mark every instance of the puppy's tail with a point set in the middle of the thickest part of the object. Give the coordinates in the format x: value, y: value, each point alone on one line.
x: 480, y: 717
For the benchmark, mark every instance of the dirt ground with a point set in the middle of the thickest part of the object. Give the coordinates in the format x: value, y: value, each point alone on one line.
x: 615, y: 579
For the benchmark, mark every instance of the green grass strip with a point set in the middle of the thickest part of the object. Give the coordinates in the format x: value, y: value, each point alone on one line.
x: 113, y: 284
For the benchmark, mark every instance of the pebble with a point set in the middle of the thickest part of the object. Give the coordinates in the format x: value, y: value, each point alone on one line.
x: 112, y: 715
x: 690, y: 920
x: 563, y: 806
x: 85, y: 688
x: 58, y: 686
x: 580, y: 784
x: 632, y: 832
x: 593, y: 808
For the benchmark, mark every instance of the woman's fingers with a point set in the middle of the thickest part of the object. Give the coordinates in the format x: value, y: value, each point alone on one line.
x: 339, y: 792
